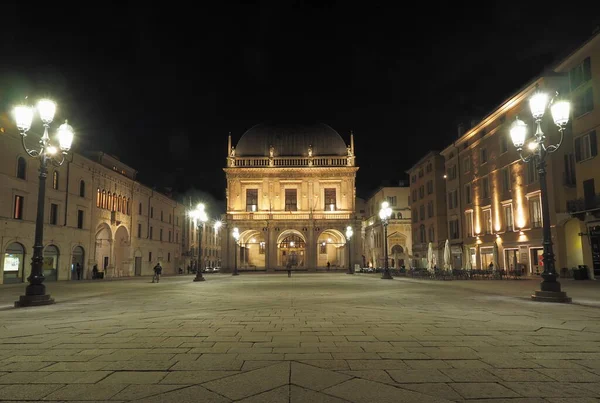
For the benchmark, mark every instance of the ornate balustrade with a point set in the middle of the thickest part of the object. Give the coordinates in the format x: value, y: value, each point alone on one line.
x: 292, y: 215
x: 264, y: 162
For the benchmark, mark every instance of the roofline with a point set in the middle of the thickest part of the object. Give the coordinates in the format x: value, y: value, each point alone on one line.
x: 560, y: 65
x: 423, y: 158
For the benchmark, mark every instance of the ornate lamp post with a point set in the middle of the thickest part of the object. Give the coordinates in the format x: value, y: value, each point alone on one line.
x: 384, y: 214
x: 46, y: 153
x: 200, y: 218
x: 538, y: 151
x: 236, y: 237
x: 349, y: 234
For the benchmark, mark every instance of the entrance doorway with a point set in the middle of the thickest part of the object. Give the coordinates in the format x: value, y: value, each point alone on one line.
x: 292, y: 251
x: 78, y: 258
x: 50, y: 265
x: 14, y: 263
x: 138, y: 265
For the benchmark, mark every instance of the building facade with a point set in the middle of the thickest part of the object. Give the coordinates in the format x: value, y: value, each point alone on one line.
x: 399, y: 234
x: 583, y: 69
x: 427, y: 202
x: 96, y: 213
x: 493, y: 198
x: 291, y: 194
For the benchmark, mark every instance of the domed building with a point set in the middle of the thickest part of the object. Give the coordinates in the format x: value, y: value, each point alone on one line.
x: 291, y: 195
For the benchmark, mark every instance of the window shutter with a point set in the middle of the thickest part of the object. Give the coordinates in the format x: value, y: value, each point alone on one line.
x: 578, y: 149
x: 593, y: 143
x: 587, y: 69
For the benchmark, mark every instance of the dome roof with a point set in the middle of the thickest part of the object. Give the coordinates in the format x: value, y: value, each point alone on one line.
x: 290, y: 140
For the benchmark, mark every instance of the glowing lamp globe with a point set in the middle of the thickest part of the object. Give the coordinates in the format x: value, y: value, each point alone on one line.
x: 538, y: 103
x: 46, y: 109
x: 23, y: 117
x: 560, y: 112
x: 518, y: 132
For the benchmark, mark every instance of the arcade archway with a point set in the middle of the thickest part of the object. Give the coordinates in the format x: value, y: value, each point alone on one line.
x: 251, y: 250
x: 121, y: 252
x: 332, y: 249
x: 291, y: 250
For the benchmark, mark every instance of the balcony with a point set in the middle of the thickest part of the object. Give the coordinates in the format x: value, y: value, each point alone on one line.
x: 293, y: 215
x: 578, y: 208
x: 266, y: 162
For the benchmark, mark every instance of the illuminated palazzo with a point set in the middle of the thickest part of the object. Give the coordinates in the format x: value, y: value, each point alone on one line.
x: 291, y: 194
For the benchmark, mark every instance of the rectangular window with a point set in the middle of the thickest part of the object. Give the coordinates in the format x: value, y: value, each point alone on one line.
x: 53, y: 214
x: 570, y: 175
x: 139, y: 232
x: 261, y: 248
x: 453, y: 226
x: 484, y: 156
x: 469, y: 223
x: 177, y: 237
x: 170, y: 236
x: 429, y: 187
x: 580, y: 73
x: 161, y: 215
x: 430, y: 209
x: 503, y: 144
x: 414, y: 195
x: 586, y: 147
x: 532, y: 172
x: 467, y: 164
x: 151, y: 232
x: 505, y: 179
x: 450, y: 200
x: 422, y: 192
x: 468, y: 194
x: 391, y: 200
x: 508, y: 218
x: 151, y: 212
x: 485, y: 184
x: 251, y: 199
x: 149, y: 256
x: 160, y: 233
x: 140, y: 209
x: 535, y: 212
x: 589, y: 194
x: 169, y: 257
x: 80, y: 219
x: 291, y: 200
x: 422, y: 212
x: 330, y: 199
x: 584, y: 103
x: 487, y: 221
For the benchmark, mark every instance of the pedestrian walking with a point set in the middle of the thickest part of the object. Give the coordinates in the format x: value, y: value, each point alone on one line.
x: 78, y: 269
x: 157, y: 273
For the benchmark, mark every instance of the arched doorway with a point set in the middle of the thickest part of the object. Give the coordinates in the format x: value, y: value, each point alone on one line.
x: 50, y: 266
x: 103, y: 246
x: 121, y: 252
x: 14, y: 263
x: 291, y: 250
x: 78, y: 258
x: 331, y: 247
x: 251, y: 250
x: 398, y: 257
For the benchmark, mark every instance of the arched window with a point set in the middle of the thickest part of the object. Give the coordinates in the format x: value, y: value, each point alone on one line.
x: 422, y: 236
x: 55, y: 180
x: 109, y: 201
x: 140, y: 209
x: 431, y: 234
x: 104, y: 199
x: 128, y: 206
x: 114, y: 202
x: 81, y: 188
x: 119, y: 200
x: 99, y: 198
x: 21, y: 168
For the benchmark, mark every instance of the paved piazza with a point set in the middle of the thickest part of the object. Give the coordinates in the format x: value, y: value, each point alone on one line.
x: 309, y: 338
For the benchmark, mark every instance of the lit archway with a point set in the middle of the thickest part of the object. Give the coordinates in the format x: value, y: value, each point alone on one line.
x: 14, y: 263
x: 103, y: 245
x: 251, y: 250
x: 77, y: 259
x: 397, y: 255
x: 331, y: 247
x: 121, y: 252
x: 291, y: 249
x: 50, y: 265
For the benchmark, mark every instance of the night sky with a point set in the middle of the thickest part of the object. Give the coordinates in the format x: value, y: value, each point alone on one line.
x: 161, y: 88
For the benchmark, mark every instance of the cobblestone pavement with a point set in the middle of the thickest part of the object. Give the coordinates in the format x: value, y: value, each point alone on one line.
x: 309, y: 338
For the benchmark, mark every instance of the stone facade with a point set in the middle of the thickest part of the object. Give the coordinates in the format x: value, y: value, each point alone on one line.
x: 428, y: 187
x: 399, y: 228
x: 583, y: 240
x: 291, y: 193
x: 493, y: 197
x: 95, y: 213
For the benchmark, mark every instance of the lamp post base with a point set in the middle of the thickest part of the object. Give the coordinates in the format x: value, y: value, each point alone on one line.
x: 34, y: 300
x: 235, y: 273
x: 199, y: 277
x: 550, y: 290
x: 387, y: 276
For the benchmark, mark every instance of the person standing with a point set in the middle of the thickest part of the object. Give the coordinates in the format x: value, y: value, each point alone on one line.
x: 78, y: 269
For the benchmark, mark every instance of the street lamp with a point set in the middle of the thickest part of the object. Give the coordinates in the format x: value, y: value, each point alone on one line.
x: 200, y: 217
x: 384, y: 214
x: 236, y: 237
x: 35, y: 292
x: 349, y: 234
x: 560, y: 109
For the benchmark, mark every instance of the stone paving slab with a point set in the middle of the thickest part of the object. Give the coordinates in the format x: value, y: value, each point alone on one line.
x: 312, y: 337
